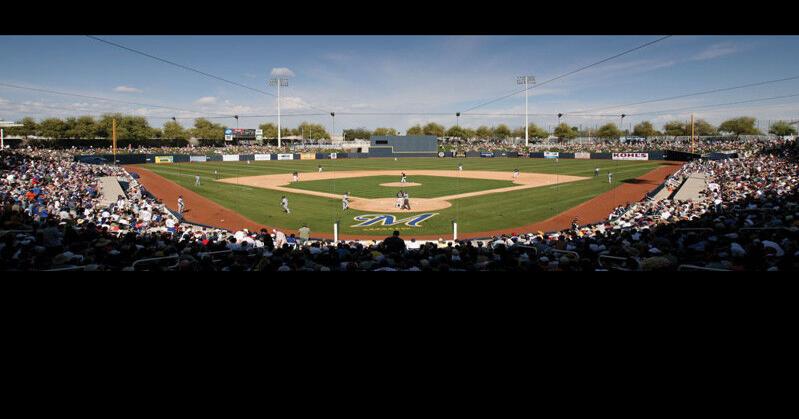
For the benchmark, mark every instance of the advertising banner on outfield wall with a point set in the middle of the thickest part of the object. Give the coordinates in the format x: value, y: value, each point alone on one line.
x: 630, y: 156
x: 285, y: 157
x: 582, y: 155
x: 198, y: 158
x: 307, y: 156
x: 486, y: 154
x: 164, y: 159
x: 460, y: 154
x: 333, y: 155
x: 263, y: 157
x: 230, y: 157
x: 551, y: 154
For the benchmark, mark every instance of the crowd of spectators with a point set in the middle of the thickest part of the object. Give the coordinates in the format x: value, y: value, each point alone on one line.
x: 746, y: 219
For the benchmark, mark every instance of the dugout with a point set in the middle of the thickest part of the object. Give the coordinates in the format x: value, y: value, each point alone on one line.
x: 403, y: 146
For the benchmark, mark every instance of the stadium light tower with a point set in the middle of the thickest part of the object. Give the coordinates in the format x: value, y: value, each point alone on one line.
x: 278, y: 81
x: 3, y: 125
x: 526, y: 80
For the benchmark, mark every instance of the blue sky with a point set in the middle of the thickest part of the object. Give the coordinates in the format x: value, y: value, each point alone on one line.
x: 400, y: 74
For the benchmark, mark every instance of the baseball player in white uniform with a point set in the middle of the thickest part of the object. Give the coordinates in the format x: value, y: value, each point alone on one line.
x: 610, y: 177
x: 296, y: 177
x: 196, y: 180
x: 181, y: 205
x: 345, y: 201
x: 284, y: 202
x: 516, y: 173
x: 460, y: 167
x: 403, y: 178
x: 400, y: 197
x: 320, y: 168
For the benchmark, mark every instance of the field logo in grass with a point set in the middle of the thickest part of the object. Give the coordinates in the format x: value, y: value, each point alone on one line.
x: 368, y: 220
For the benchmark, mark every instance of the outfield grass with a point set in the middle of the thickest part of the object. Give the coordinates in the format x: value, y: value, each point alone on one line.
x: 431, y: 186
x: 481, y: 213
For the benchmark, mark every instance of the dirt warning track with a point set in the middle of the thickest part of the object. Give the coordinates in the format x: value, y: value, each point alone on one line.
x: 523, y: 181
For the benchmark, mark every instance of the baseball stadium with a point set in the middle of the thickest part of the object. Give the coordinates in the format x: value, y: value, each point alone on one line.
x: 701, y: 177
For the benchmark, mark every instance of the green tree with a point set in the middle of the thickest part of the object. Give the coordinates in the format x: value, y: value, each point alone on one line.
x: 434, y: 129
x: 85, y: 128
x: 29, y: 127
x: 357, y: 134
x: 782, y: 128
x: 609, y: 130
x: 415, y: 130
x: 702, y: 127
x: 564, y: 131
x: 207, y: 130
x: 269, y: 129
x: 52, y: 128
x: 675, y: 128
x: 312, y: 131
x: 644, y: 129
x: 744, y: 125
x: 384, y: 131
x: 174, y: 131
x: 502, y: 132
x: 468, y: 133
x: 456, y: 132
x: 484, y: 133
x: 69, y: 127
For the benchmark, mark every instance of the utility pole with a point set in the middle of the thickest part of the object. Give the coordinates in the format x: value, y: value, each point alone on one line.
x: 692, y: 133
x: 526, y: 80
x: 278, y: 81
x: 114, y: 138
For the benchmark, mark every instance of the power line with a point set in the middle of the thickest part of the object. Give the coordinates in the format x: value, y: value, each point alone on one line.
x: 105, y: 99
x: 715, y: 105
x: 570, y: 73
x: 185, y: 67
x: 693, y: 94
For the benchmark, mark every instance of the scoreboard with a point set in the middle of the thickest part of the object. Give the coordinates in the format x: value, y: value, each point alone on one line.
x: 239, y: 134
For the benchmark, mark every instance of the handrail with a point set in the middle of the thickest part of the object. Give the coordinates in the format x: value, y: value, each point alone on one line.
x: 568, y: 252
x: 147, y: 260
x: 599, y: 260
x: 683, y: 268
x: 763, y: 228
x: 72, y: 268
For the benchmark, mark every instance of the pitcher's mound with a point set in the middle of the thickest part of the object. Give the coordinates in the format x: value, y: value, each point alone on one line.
x: 400, y: 184
x: 388, y: 205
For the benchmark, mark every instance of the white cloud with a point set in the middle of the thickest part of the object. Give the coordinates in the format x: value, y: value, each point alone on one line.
x: 127, y: 89
x: 282, y: 72
x: 716, y: 51
x: 206, y: 100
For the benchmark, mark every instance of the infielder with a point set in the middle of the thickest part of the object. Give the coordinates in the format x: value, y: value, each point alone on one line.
x: 181, y: 205
x: 196, y: 180
x: 516, y: 173
x: 403, y: 178
x: 296, y: 176
x: 284, y: 202
x: 320, y: 168
x: 345, y: 201
x: 460, y: 167
x: 596, y: 172
x: 400, y: 196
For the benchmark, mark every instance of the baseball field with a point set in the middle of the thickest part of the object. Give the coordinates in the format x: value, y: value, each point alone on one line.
x: 484, y: 197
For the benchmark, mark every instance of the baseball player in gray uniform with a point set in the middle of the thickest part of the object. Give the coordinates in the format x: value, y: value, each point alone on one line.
x: 345, y: 201
x: 284, y: 202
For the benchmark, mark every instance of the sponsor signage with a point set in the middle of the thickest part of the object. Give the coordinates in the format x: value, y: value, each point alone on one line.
x: 460, y: 154
x: 388, y: 220
x: 440, y: 154
x: 630, y: 156
x: 551, y: 154
x: 198, y: 158
x: 259, y: 134
x: 486, y: 154
x: 230, y: 157
x: 228, y: 137
x: 228, y: 131
x: 285, y: 157
x: 307, y: 156
x: 164, y: 159
x: 333, y: 156
x: 263, y: 157
x: 582, y: 155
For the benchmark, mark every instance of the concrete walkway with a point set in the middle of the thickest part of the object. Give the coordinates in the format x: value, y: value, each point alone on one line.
x: 689, y: 191
x: 110, y: 189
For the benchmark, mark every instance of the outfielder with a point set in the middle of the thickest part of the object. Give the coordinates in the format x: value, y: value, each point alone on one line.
x: 196, y: 180
x: 284, y: 202
x: 345, y: 201
x: 610, y: 177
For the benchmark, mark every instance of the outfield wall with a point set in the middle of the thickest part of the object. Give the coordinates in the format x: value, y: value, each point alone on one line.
x: 186, y: 158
